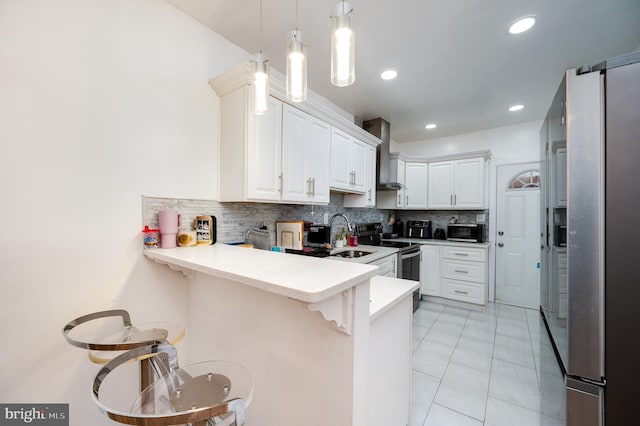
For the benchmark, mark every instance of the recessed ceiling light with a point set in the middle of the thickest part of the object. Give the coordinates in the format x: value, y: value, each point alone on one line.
x: 522, y: 24
x: 514, y: 108
x: 389, y: 74
x: 430, y: 126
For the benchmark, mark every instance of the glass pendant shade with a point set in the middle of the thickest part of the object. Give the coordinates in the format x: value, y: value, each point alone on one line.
x: 260, y: 83
x: 296, y: 68
x: 342, y: 46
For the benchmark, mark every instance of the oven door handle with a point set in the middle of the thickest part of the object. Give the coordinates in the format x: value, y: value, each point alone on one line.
x: 409, y: 256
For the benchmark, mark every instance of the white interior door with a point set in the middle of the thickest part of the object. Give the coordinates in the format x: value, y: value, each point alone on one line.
x: 518, y: 235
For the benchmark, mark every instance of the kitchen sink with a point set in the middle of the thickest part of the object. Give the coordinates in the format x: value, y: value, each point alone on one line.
x: 351, y: 253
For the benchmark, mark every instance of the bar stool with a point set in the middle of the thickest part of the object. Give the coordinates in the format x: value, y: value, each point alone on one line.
x: 105, y: 342
x: 207, y: 393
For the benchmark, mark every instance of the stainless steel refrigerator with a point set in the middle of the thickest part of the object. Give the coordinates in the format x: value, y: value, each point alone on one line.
x: 590, y: 285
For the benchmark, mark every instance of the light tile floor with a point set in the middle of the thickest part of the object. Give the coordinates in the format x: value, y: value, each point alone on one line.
x: 491, y: 368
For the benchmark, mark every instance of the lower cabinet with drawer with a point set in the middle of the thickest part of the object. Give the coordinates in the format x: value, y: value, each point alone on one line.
x: 455, y: 272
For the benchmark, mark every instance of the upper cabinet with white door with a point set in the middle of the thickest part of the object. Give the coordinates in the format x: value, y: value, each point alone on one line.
x: 348, y: 162
x: 284, y: 155
x: 368, y: 199
x: 458, y: 183
x: 252, y: 147
x: 305, y: 157
x: 416, y: 178
x: 394, y: 199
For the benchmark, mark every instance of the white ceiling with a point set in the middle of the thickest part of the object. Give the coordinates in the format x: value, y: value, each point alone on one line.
x: 457, y: 64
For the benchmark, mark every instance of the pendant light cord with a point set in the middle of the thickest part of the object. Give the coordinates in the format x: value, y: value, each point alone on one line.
x: 260, y: 26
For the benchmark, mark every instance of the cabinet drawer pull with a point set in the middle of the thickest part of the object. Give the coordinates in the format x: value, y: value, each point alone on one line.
x: 460, y: 292
x: 461, y: 254
x: 461, y: 272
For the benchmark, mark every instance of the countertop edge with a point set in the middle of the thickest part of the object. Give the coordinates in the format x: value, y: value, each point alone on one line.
x: 386, y: 292
x: 164, y: 256
x: 432, y: 241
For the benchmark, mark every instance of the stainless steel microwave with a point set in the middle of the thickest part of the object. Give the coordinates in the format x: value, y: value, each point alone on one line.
x: 466, y: 232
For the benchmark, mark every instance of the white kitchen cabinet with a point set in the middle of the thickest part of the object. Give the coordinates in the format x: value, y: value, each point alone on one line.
x: 398, y: 168
x: 372, y: 179
x: 457, y: 184
x: 415, y: 194
x: 348, y: 162
x: 464, y: 273
x: 264, y: 154
x: 394, y: 199
x: 305, y: 157
x: 252, y: 147
x: 368, y: 199
x: 440, y: 185
x: 456, y: 272
x: 430, y: 270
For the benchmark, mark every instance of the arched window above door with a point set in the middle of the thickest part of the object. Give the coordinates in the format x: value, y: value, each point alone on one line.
x: 529, y: 179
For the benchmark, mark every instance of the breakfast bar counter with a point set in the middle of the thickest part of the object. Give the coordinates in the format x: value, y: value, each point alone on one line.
x: 302, y: 278
x: 303, y: 326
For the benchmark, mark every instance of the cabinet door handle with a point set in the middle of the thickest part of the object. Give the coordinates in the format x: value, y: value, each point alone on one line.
x: 461, y: 292
x: 399, y: 200
x: 369, y: 192
x: 313, y: 183
x: 455, y: 199
x: 451, y: 199
x: 407, y: 202
x: 461, y: 272
x: 309, y: 193
x: 281, y: 184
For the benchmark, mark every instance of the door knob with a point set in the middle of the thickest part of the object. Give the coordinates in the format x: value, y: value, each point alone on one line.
x: 500, y: 233
x: 500, y: 245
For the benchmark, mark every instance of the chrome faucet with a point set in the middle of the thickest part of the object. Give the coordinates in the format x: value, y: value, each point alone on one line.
x: 349, y: 227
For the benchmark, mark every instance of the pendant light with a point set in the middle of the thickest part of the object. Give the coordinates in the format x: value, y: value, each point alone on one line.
x: 342, y: 46
x: 260, y: 83
x: 296, y: 65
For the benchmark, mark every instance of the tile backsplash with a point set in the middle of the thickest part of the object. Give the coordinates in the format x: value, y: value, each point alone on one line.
x: 234, y: 219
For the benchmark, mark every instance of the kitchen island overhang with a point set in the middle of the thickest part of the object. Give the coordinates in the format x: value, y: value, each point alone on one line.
x: 307, y: 368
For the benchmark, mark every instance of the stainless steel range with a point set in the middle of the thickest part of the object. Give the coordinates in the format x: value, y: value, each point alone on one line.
x: 408, y: 254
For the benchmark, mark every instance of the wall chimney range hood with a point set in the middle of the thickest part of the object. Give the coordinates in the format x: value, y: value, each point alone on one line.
x: 382, y: 129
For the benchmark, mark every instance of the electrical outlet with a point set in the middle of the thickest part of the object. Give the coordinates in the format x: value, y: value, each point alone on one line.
x: 481, y: 218
x: 326, y: 218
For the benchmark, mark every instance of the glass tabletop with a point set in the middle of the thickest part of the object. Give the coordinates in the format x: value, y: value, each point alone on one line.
x: 194, y: 387
x: 147, y: 332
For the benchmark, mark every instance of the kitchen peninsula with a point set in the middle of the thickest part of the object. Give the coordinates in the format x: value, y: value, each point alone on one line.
x: 314, y: 333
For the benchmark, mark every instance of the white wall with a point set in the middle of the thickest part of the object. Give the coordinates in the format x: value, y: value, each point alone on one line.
x: 100, y: 101
x: 518, y: 143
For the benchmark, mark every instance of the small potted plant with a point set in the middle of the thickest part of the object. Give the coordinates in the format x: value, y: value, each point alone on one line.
x: 341, y: 238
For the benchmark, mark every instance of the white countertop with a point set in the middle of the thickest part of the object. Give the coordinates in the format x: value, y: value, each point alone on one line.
x: 386, y: 292
x: 303, y: 278
x: 441, y: 242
